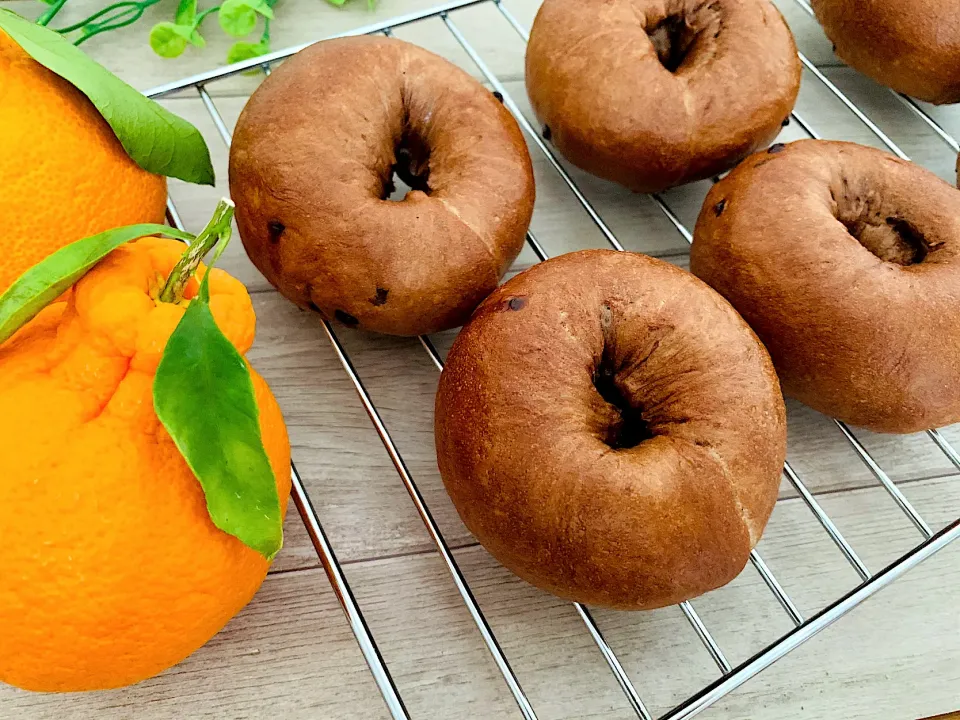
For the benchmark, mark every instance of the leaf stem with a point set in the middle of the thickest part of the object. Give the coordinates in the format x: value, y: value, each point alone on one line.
x: 203, y: 15
x: 98, y: 14
x: 51, y: 12
x: 118, y: 15
x: 115, y: 24
x: 265, y: 36
x: 217, y: 230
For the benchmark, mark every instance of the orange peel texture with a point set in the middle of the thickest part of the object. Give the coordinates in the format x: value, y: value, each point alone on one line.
x: 63, y: 172
x: 111, y: 568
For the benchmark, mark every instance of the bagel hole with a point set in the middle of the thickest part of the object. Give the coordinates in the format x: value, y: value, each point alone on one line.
x: 631, y: 429
x: 894, y: 239
x: 410, y: 170
x: 673, y: 38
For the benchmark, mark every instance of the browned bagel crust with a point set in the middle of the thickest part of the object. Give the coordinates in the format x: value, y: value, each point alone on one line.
x: 870, y: 341
x: 613, y: 108
x: 312, y: 161
x: 912, y: 46
x: 526, y: 443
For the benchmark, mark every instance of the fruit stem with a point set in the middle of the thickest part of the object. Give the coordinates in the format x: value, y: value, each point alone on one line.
x: 217, y: 230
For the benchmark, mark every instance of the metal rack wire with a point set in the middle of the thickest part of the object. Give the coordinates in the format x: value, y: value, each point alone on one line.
x: 730, y: 677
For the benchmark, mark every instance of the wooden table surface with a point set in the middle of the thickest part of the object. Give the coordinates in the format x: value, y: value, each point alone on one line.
x: 290, y: 654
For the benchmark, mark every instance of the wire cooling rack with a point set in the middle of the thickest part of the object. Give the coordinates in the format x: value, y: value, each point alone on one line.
x: 731, y: 677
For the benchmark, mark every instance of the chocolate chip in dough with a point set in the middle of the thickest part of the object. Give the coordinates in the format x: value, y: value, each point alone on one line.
x: 275, y: 229
x: 380, y: 298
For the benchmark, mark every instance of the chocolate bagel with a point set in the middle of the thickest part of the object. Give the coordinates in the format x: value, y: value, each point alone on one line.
x: 656, y: 93
x: 912, y: 46
x: 611, y: 431
x: 311, y: 171
x: 844, y: 260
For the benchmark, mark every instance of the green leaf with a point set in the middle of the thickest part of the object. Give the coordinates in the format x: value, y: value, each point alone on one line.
x: 236, y: 18
x: 263, y: 7
x: 240, y: 51
x: 338, y: 3
x: 155, y: 138
x: 186, y: 13
x: 167, y: 41
x: 49, y: 279
x: 239, y: 17
x: 204, y: 396
x: 192, y: 35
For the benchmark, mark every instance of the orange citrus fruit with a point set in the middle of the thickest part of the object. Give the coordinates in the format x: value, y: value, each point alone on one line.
x: 63, y: 173
x: 112, y: 569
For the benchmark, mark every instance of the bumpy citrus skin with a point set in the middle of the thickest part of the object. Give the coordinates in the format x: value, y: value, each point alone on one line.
x: 110, y: 568
x: 63, y: 172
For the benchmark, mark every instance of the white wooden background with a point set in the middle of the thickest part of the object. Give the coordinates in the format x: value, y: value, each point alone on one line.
x: 290, y: 654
